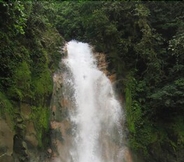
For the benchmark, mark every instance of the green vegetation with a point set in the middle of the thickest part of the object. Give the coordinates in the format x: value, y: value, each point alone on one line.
x: 29, y: 54
x: 40, y: 116
x: 6, y: 106
x: 144, y: 44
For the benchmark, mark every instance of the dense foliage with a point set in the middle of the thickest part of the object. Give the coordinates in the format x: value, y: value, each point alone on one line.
x: 144, y: 43
x: 29, y: 54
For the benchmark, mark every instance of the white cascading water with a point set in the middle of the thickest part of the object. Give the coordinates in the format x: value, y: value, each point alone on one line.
x: 96, y: 115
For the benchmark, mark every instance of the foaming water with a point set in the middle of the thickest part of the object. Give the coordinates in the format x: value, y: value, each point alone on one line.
x: 95, y: 114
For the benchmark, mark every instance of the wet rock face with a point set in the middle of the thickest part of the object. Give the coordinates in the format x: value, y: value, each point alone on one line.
x: 30, y: 134
x: 21, y: 151
x: 20, y: 148
x: 103, y: 65
x: 6, y: 142
x: 59, y: 124
x: 18, y: 139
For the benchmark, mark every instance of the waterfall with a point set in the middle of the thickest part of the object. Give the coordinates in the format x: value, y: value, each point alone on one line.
x: 95, y: 133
